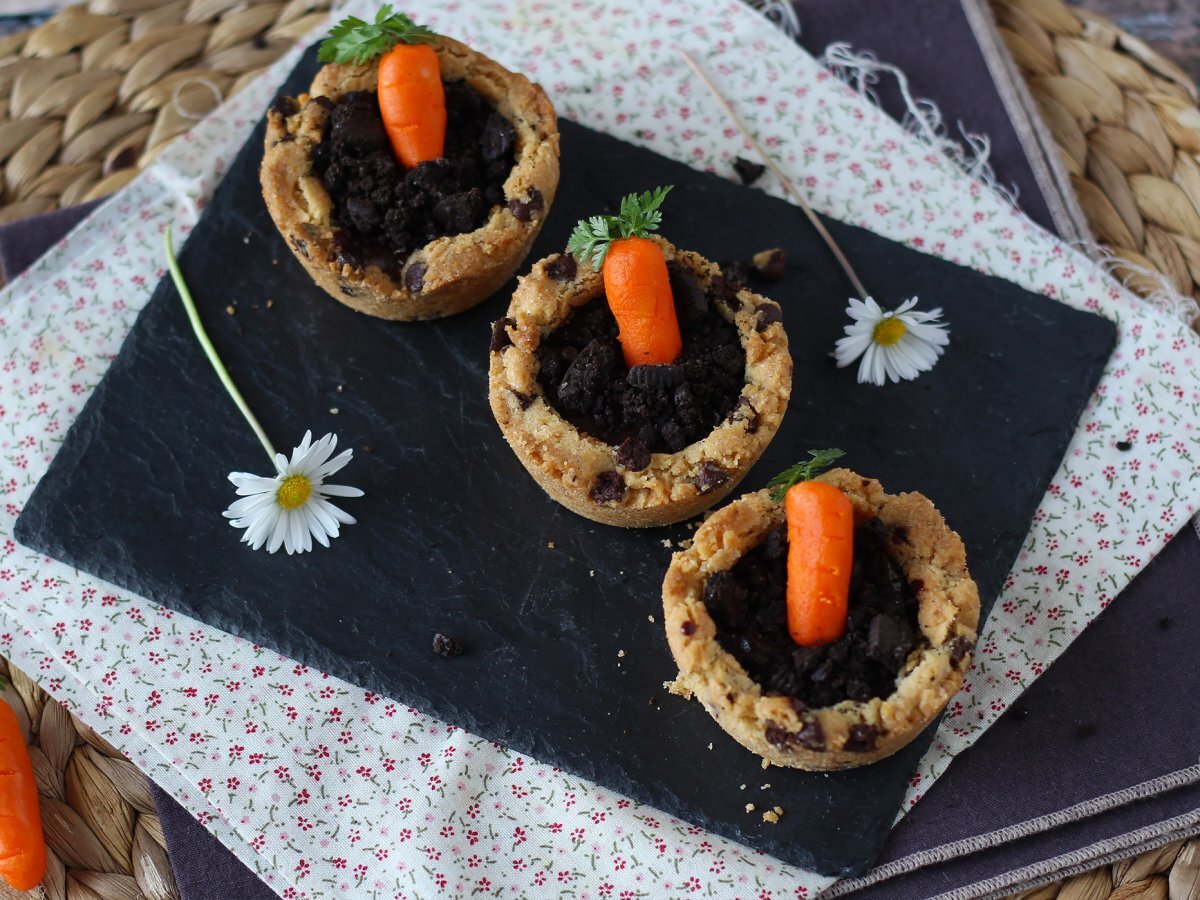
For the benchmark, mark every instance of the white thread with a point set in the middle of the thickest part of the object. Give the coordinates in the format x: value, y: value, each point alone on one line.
x: 922, y: 117
x: 177, y: 105
x: 1164, y: 297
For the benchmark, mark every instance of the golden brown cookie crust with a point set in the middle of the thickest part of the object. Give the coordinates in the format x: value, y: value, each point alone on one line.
x: 932, y: 558
x: 459, y: 270
x: 566, y: 463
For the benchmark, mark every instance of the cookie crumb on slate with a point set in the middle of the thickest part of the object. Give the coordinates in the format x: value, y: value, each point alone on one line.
x: 710, y: 745
x: 764, y: 787
x: 749, y: 807
x: 773, y: 815
x: 766, y: 764
x: 333, y: 410
x: 446, y: 646
x: 666, y: 542
x: 270, y: 303
x: 621, y: 653
x: 550, y: 544
x: 650, y: 618
x: 230, y: 310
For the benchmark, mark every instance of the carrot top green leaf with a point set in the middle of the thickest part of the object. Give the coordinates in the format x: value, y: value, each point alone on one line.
x: 803, y: 471
x: 354, y: 41
x: 638, y: 216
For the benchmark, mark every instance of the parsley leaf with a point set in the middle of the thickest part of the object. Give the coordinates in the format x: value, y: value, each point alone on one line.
x: 354, y: 41
x: 803, y: 471
x: 639, y: 214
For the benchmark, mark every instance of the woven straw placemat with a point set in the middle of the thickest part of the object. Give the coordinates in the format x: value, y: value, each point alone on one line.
x: 96, y: 92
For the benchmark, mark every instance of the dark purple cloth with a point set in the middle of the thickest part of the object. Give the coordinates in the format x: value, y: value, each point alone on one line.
x: 1100, y: 720
x: 933, y: 44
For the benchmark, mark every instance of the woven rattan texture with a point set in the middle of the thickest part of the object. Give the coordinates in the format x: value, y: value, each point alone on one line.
x: 102, y: 836
x: 91, y: 96
x: 1126, y: 121
x: 94, y: 94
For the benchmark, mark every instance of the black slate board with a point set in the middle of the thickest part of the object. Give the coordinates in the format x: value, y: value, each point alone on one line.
x: 453, y: 535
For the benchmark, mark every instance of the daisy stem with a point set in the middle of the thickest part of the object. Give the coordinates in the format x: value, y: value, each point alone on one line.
x: 209, y: 350
x: 770, y: 163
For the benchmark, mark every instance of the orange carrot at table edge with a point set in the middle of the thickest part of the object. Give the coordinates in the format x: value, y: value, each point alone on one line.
x: 22, y: 847
x: 820, y: 528
x: 412, y: 101
x: 635, y: 277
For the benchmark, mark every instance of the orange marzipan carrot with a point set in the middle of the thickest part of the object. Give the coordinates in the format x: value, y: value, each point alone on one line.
x: 639, y: 295
x: 413, y: 103
x: 820, y: 526
x: 22, y: 847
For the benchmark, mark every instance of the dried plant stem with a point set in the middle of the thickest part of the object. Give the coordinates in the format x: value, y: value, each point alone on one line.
x: 210, y: 351
x: 778, y: 173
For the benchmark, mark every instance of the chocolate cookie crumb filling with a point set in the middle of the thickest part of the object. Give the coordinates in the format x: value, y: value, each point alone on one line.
x: 384, y: 212
x: 748, y: 605
x: 446, y: 646
x: 585, y: 379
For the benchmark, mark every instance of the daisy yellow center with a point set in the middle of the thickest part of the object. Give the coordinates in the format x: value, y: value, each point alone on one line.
x: 889, y: 331
x: 294, y: 492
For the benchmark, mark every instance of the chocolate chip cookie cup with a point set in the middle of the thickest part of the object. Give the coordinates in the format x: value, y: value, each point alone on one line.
x: 648, y: 445
x: 430, y: 241
x: 913, y: 615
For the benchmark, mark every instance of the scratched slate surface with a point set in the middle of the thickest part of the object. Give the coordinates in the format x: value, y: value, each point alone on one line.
x: 453, y: 535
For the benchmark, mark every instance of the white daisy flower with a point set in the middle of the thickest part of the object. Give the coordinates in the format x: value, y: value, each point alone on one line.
x: 291, y: 509
x: 894, y: 344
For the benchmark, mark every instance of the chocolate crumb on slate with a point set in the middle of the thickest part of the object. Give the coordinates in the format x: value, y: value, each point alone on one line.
x: 748, y: 605
x: 562, y: 268
x: 1124, y: 446
x: 384, y: 212
x: 500, y: 338
x: 861, y: 739
x: 446, y: 646
x: 1165, y: 623
x: 585, y: 379
x: 710, y: 477
x: 1019, y: 712
x: 748, y: 172
x: 633, y: 454
x: 1085, y: 731
x: 770, y: 264
x: 608, y: 487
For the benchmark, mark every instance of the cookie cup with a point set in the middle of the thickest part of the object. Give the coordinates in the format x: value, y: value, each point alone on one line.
x: 567, y: 463
x: 850, y: 733
x: 451, y: 273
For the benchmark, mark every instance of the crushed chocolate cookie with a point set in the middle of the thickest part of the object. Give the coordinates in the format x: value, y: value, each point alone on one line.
x: 384, y: 212
x: 585, y: 379
x: 523, y: 210
x: 446, y: 646
x: 737, y: 273
x: 748, y: 605
x: 661, y: 376
x: 633, y: 454
x: 609, y: 487
x: 770, y: 265
x: 563, y: 267
x: 500, y: 339
x: 710, y: 477
x: 861, y: 739
x: 749, y: 172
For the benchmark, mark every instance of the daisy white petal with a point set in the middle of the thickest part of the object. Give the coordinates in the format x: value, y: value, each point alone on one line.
x: 891, y: 345
x: 290, y: 509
